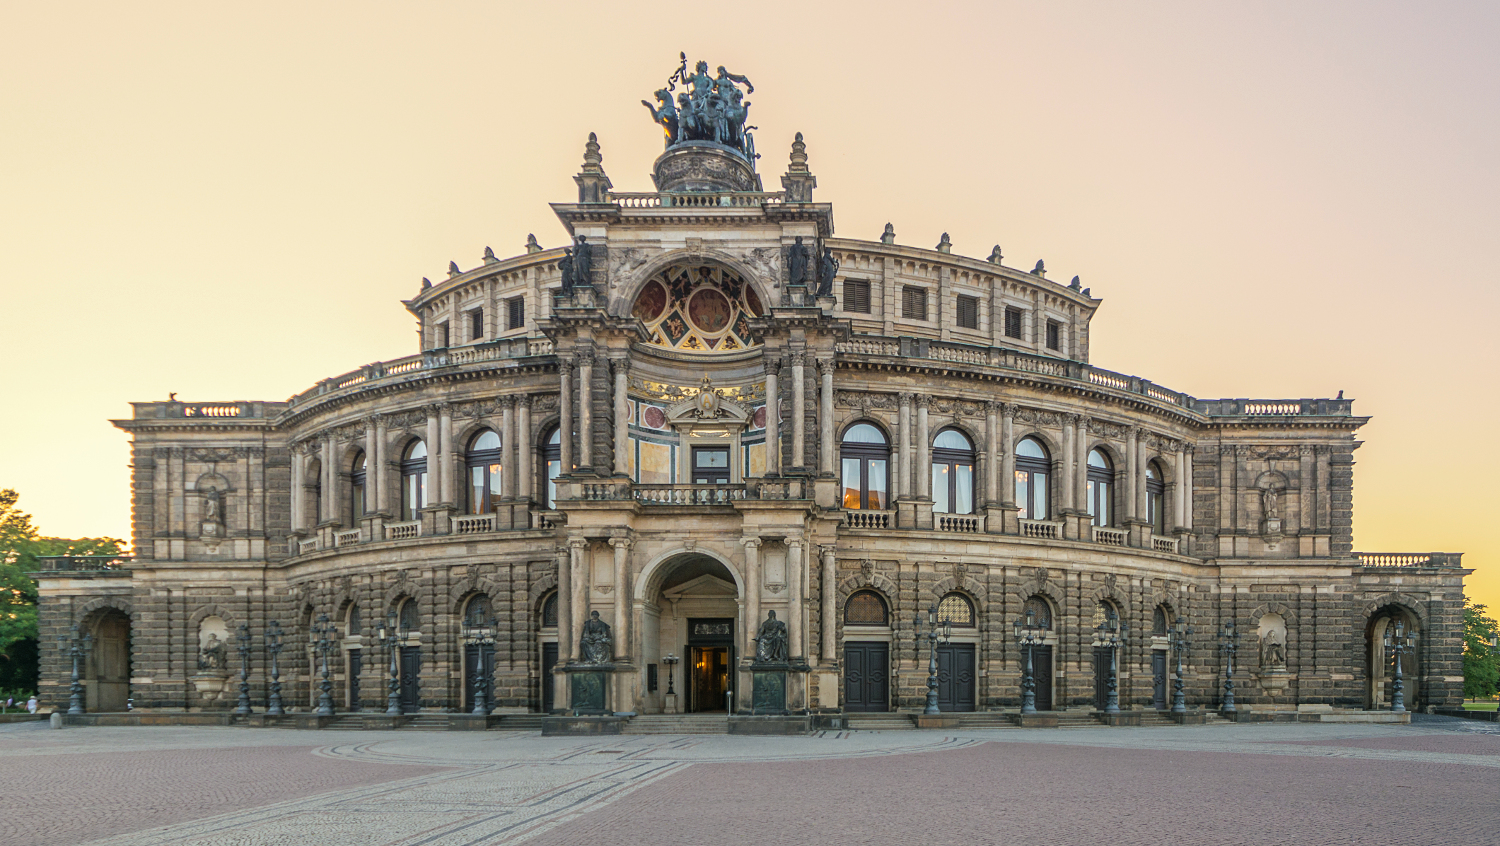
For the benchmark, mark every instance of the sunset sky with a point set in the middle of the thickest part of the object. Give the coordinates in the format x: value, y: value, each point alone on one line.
x: 1275, y: 200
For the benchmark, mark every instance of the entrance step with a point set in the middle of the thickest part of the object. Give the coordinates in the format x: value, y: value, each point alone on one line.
x: 1157, y: 718
x: 678, y: 724
x: 878, y: 722
x: 347, y: 722
x: 1077, y: 719
x: 427, y: 722
x: 521, y: 722
x: 1214, y: 718
x: 984, y: 720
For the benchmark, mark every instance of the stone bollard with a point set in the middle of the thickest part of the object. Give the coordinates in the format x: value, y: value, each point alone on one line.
x: 57, y: 719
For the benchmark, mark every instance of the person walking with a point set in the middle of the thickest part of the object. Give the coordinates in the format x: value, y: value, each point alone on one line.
x: 31, y: 704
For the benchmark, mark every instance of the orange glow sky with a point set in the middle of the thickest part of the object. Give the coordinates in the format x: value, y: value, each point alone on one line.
x: 1274, y: 200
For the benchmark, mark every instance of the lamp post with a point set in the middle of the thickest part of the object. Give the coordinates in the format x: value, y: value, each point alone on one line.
x: 77, y: 647
x: 242, y: 707
x: 479, y: 634
x: 323, y: 632
x: 671, y: 661
x: 389, y: 636
x: 273, y: 648
x: 933, y: 637
x: 1028, y: 635
x: 1402, y: 642
x: 1112, y: 634
x: 1178, y: 639
x: 1229, y: 644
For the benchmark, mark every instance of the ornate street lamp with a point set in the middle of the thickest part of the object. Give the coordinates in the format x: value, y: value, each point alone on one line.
x: 1229, y: 644
x: 671, y: 661
x: 78, y: 647
x: 1029, y: 635
x: 392, y: 638
x: 1178, y: 640
x: 242, y: 708
x: 1401, y: 642
x: 273, y: 648
x: 323, y: 634
x: 479, y: 634
x: 936, y: 634
x: 1112, y: 634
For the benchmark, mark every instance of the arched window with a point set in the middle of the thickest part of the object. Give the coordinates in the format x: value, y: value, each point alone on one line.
x: 552, y: 466
x: 1104, y: 611
x: 413, y: 480
x: 956, y: 610
x: 866, y: 608
x: 351, y: 620
x: 1159, y: 621
x: 1032, y: 468
x: 477, y: 611
x: 549, y: 611
x: 1039, y: 612
x: 357, y: 489
x: 1156, y: 497
x: 1101, y: 479
x: 483, y: 461
x: 314, y: 489
x: 865, y: 455
x: 952, y: 473
x: 407, y: 617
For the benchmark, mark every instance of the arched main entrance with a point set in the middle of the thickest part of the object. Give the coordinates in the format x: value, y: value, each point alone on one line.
x: 1380, y: 666
x: 109, y: 663
x: 692, y: 613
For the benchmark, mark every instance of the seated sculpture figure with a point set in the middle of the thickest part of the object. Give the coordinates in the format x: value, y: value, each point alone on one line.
x: 770, y: 641
x: 595, y: 641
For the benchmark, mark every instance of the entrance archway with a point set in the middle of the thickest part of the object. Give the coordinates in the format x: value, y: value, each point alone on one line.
x: 1381, y: 669
x: 692, y: 611
x: 109, y: 663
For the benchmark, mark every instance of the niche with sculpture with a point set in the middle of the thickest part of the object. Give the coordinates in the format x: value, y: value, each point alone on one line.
x: 1271, y: 637
x: 213, y: 659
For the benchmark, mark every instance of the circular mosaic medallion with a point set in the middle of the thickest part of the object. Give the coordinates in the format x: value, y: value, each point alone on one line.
x: 759, y: 421
x: 654, y: 417
x: 709, y: 310
x: 649, y: 305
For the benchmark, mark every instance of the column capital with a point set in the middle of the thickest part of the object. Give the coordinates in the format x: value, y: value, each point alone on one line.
x: 1070, y: 418
x: 622, y: 542
x: 584, y: 358
x: 751, y: 543
x: 907, y: 397
x: 507, y: 401
x: 1009, y: 409
x: 620, y: 364
x: 378, y: 419
x: 444, y: 407
x: 773, y: 365
x: 827, y: 551
x: 993, y: 406
x: 826, y: 366
x: 795, y: 542
x: 577, y: 543
x: 924, y: 400
x: 799, y: 359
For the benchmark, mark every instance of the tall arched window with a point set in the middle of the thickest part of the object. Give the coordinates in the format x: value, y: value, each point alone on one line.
x: 552, y: 466
x: 952, y: 473
x: 1038, y: 612
x: 1156, y: 498
x: 866, y: 608
x: 1160, y: 621
x: 956, y: 610
x: 407, y: 617
x: 357, y: 489
x: 483, y: 461
x: 1104, y: 611
x: 865, y: 454
x: 477, y: 611
x: 1101, y: 479
x: 413, y: 480
x: 549, y: 611
x: 314, y: 489
x: 1032, y: 468
x: 352, y: 623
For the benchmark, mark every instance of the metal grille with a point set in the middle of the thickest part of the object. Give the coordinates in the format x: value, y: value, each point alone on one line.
x: 549, y: 612
x: 865, y: 608
x: 968, y: 312
x: 1041, y: 612
x: 955, y: 609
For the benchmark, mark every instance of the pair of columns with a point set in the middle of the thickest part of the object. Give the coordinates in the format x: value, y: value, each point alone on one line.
x: 580, y: 372
x: 797, y: 363
x: 573, y: 592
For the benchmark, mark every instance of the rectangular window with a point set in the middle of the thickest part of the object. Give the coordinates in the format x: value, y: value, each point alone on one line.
x: 651, y: 678
x: 914, y: 303
x: 515, y: 312
x: 1054, y: 335
x: 968, y: 312
x: 857, y: 295
x: 710, y: 465
x: 476, y: 325
x: 440, y: 337
x: 1012, y: 322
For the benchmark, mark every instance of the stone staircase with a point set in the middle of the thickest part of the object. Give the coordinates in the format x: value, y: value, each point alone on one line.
x: 1214, y: 718
x: 347, y: 722
x: 677, y: 724
x: 985, y: 720
x: 1077, y: 719
x: 520, y: 722
x: 878, y: 722
x: 1157, y: 718
x: 427, y: 722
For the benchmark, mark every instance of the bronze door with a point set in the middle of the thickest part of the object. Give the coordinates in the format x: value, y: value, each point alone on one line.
x: 1159, y: 679
x: 411, y: 668
x: 867, y: 683
x: 1041, y: 675
x: 549, y: 681
x: 709, y: 678
x: 957, y: 682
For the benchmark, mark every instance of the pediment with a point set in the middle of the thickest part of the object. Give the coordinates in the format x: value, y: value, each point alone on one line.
x: 704, y: 585
x: 707, y: 406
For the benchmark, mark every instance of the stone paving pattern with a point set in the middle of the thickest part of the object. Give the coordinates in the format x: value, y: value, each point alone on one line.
x: 1432, y: 782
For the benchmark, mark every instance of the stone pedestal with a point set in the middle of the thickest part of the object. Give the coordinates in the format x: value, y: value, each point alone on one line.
x: 588, y: 689
x: 768, y: 689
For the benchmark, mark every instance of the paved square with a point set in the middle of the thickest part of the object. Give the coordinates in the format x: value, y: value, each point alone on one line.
x: 1431, y: 782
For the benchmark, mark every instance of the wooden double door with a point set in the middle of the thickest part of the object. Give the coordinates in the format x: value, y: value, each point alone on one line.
x: 867, y: 676
x: 957, y: 677
x: 1041, y: 676
x: 411, y: 672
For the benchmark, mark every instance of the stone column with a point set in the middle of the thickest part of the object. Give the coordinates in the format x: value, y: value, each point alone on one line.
x: 525, y: 469
x: 507, y: 439
x: 377, y: 476
x: 1081, y: 468
x: 825, y: 415
x: 1187, y: 490
x: 1179, y: 490
x: 1133, y: 471
x: 794, y: 597
x: 299, y: 481
x: 830, y: 604
x: 449, y: 454
x: 565, y: 418
x: 329, y: 480
x: 622, y: 597
x: 434, y: 463
x: 1305, y: 495
x: 773, y: 416
x: 622, y: 416
x: 1142, y: 507
x: 903, y: 447
x: 586, y: 411
x: 1067, y: 484
x: 1008, y: 454
x: 799, y: 410
x: 578, y: 584
x: 564, y: 619
x: 372, y: 471
x: 923, y: 468
x: 752, y: 591
x: 992, y: 449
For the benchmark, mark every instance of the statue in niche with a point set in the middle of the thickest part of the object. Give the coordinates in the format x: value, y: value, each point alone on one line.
x: 1272, y: 652
x: 770, y: 641
x: 595, y: 642
x: 565, y: 265
x: 796, y: 259
x: 828, y: 268
x: 213, y: 506
x: 583, y: 260
x: 212, y: 655
x: 1269, y: 503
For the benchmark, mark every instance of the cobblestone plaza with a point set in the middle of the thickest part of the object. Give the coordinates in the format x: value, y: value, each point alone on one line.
x: 1430, y: 782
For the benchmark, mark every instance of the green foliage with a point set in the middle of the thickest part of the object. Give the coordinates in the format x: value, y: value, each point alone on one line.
x: 1481, y: 658
x: 20, y: 547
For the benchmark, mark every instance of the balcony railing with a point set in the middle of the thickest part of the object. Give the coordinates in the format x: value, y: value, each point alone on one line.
x: 1160, y: 544
x: 348, y: 537
x: 857, y: 519
x: 403, y: 531
x: 83, y: 563
x: 473, y: 524
x: 1108, y: 536
x: 497, y: 350
x: 958, y: 522
x: 688, y: 494
x: 306, y: 546
x: 1044, y: 529
x: 1410, y: 559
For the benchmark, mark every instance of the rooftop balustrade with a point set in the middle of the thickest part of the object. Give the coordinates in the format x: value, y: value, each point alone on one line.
x: 83, y: 563
x: 1410, y: 559
x: 695, y: 199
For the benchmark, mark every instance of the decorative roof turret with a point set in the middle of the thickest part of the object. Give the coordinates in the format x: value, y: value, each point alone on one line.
x: 798, y: 181
x: 593, y: 183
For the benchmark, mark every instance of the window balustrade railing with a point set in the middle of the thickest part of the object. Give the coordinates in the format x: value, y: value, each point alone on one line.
x: 1410, y: 559
x: 776, y: 490
x: 307, y: 545
x: 688, y: 494
x: 473, y: 524
x: 1108, y: 536
x: 1044, y: 529
x: 403, y: 531
x: 958, y: 522
x: 346, y: 538
x: 860, y: 519
x: 497, y: 350
x: 1161, y: 544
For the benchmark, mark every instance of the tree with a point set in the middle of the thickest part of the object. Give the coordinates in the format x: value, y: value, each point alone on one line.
x: 20, y: 546
x: 1481, y: 658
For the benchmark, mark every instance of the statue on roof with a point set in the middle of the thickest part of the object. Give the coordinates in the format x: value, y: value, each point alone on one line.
x: 713, y: 108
